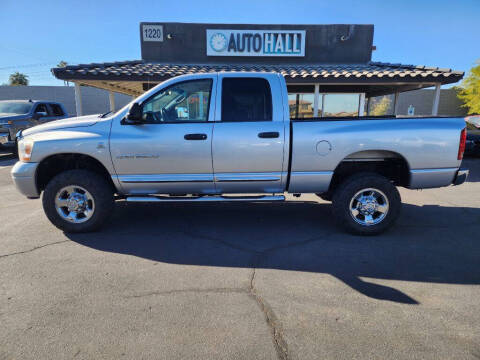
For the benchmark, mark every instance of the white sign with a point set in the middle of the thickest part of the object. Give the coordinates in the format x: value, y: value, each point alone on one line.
x: 222, y: 42
x: 152, y: 32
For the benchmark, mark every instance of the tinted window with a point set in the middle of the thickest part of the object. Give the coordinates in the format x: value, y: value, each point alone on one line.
x: 56, y: 110
x: 185, y: 101
x: 41, y: 108
x: 246, y: 99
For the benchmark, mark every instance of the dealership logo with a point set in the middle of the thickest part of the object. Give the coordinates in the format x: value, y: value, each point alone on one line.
x: 218, y: 42
x: 255, y: 42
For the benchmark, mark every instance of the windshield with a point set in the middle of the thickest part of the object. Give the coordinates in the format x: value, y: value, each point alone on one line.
x: 15, y: 107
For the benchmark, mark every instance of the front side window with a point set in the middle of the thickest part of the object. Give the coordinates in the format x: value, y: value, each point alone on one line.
x: 41, y: 108
x: 246, y: 99
x: 185, y: 101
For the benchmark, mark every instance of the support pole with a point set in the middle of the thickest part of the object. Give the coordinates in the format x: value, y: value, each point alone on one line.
x: 395, y: 103
x: 361, y: 104
x: 78, y: 100
x: 315, y: 100
x: 368, y: 105
x: 111, y: 98
x: 323, y: 104
x: 436, y: 99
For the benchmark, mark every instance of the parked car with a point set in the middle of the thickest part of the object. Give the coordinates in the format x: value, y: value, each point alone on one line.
x: 472, y: 146
x: 236, y: 138
x: 16, y: 115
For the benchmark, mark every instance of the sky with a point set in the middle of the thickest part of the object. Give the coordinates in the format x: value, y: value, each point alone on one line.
x: 36, y: 35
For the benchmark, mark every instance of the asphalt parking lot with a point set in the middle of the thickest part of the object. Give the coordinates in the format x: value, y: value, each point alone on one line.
x: 242, y: 281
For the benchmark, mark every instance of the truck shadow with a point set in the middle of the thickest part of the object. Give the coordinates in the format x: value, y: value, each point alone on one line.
x: 429, y: 243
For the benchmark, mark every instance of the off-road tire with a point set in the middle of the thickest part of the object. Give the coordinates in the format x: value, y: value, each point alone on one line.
x: 95, y: 184
x: 346, y: 191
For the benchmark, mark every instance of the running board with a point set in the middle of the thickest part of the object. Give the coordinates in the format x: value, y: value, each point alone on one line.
x: 203, y: 198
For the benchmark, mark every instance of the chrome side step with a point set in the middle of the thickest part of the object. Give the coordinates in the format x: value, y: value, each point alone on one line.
x: 204, y: 198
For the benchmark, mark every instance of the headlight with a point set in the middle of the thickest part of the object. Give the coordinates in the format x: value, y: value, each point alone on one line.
x: 25, y: 149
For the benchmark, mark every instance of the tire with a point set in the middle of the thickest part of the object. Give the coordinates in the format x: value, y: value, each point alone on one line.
x: 15, y: 150
x: 97, y: 192
x: 377, y: 188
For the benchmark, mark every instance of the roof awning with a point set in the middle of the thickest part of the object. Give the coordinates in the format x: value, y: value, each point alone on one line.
x: 374, y: 78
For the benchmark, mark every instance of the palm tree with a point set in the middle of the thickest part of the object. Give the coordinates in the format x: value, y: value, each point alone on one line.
x: 17, y: 79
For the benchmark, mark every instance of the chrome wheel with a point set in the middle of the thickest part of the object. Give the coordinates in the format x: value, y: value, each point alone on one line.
x: 74, y: 204
x: 369, y: 206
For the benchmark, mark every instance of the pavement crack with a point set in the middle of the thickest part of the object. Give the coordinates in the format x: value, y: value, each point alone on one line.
x: 33, y: 249
x: 272, y: 320
x: 190, y: 290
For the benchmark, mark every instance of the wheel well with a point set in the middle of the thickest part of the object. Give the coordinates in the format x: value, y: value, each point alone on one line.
x: 55, y: 164
x: 389, y: 164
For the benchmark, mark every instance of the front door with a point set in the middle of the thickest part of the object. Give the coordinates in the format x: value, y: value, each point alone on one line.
x: 170, y: 152
x: 249, y: 135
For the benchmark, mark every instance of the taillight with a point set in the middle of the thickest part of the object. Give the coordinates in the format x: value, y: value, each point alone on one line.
x: 461, y: 146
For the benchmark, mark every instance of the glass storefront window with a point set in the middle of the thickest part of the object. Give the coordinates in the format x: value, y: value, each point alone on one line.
x: 301, y: 105
x: 341, y: 105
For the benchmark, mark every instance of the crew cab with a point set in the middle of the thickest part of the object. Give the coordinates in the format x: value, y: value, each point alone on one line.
x: 16, y: 115
x: 219, y: 136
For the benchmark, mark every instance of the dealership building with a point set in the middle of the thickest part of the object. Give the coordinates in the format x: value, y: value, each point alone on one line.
x: 328, y: 68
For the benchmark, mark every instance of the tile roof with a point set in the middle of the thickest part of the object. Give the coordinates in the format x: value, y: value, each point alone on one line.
x: 138, y: 70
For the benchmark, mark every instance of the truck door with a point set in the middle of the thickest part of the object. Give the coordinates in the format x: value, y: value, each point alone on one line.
x: 170, y: 152
x: 249, y: 135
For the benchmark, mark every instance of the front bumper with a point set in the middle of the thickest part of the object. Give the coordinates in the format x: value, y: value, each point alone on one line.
x: 460, y: 176
x: 23, y: 175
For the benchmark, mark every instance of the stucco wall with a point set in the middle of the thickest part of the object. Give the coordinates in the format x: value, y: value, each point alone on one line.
x: 94, y: 100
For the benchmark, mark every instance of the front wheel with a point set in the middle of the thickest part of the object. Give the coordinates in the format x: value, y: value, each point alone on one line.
x: 366, y: 204
x: 78, y: 201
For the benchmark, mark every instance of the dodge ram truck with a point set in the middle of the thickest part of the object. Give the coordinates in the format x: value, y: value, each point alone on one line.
x: 17, y: 115
x: 228, y: 137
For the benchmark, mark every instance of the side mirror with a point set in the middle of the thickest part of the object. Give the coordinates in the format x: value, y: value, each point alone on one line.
x: 135, y: 114
x: 39, y: 115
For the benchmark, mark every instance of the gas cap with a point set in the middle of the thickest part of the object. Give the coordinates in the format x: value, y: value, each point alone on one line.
x: 324, y: 147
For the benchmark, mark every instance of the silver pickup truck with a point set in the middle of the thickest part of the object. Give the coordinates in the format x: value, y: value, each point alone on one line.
x: 220, y: 136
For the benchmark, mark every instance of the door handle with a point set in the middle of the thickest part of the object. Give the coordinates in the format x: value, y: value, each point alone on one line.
x: 195, y: 137
x: 268, y: 135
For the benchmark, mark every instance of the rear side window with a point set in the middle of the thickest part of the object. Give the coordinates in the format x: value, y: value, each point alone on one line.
x: 246, y: 99
x: 56, y: 110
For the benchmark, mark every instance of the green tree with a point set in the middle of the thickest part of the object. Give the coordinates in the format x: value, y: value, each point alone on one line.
x: 470, y: 90
x: 17, y: 79
x: 381, y: 107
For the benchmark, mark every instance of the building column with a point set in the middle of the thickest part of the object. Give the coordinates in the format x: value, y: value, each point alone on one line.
x: 395, y: 103
x: 368, y: 105
x: 78, y: 99
x: 323, y: 104
x: 111, y: 98
x: 436, y: 99
x: 361, y: 104
x: 315, y: 100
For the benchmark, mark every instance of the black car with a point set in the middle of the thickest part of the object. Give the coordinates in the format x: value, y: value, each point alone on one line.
x: 472, y: 147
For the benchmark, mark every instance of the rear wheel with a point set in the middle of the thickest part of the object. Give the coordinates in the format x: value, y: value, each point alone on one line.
x: 366, y: 204
x: 78, y: 201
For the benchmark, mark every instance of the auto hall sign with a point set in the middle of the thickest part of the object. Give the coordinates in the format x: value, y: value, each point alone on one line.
x: 222, y: 42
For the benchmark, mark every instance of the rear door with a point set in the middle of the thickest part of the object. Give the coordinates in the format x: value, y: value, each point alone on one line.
x: 249, y: 134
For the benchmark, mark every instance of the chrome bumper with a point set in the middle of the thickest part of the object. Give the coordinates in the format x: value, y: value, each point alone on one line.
x: 460, y: 177
x: 23, y: 175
